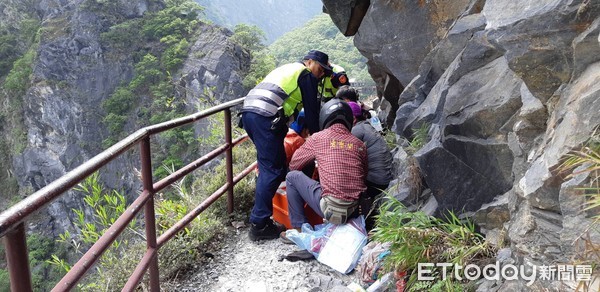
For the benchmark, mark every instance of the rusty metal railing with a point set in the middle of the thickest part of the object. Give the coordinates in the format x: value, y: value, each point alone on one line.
x: 12, y: 221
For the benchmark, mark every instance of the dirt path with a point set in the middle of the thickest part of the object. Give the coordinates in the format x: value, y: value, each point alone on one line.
x: 234, y: 263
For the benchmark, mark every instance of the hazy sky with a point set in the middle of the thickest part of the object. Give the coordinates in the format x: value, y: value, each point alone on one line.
x: 275, y: 17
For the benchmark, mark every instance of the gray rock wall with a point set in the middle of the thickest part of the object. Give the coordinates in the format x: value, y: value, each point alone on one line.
x: 508, y: 89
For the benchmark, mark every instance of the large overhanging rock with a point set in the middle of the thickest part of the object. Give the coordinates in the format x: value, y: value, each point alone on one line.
x: 347, y: 15
x: 437, y: 62
x: 397, y: 35
x: 397, y: 45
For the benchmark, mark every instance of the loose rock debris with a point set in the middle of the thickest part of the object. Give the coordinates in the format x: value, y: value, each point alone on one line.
x: 234, y: 263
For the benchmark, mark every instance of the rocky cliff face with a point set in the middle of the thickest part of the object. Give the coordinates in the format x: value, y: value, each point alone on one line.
x: 507, y: 88
x: 74, y: 72
x: 215, y: 67
x: 214, y: 64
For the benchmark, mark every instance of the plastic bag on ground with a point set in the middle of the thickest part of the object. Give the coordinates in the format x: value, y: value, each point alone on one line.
x: 337, y: 246
x: 372, y: 260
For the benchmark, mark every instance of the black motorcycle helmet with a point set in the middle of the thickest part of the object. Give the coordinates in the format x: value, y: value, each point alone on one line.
x: 336, y: 111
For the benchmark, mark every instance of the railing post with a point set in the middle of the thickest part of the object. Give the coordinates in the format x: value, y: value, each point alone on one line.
x: 18, y: 261
x: 149, y: 212
x: 229, y: 160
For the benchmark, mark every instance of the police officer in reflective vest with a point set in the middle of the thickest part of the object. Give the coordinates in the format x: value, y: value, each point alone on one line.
x: 332, y: 81
x: 265, y: 114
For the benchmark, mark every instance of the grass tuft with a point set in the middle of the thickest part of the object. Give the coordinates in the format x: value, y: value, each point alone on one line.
x: 418, y: 238
x: 419, y: 138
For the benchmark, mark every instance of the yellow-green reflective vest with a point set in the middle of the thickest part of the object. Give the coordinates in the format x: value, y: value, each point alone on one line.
x: 327, y: 89
x: 278, y: 89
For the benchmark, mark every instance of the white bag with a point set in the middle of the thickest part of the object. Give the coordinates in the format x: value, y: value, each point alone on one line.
x: 338, y: 246
x: 375, y: 122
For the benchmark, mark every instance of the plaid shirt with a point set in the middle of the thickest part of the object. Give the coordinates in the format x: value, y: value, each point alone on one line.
x: 341, y: 158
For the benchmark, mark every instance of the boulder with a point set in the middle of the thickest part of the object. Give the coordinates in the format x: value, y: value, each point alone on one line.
x: 456, y: 185
x: 393, y: 44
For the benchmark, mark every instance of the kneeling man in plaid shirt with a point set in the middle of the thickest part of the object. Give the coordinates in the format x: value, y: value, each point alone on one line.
x: 342, y: 162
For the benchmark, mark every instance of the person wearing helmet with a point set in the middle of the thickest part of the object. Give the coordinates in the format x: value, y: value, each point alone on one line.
x: 266, y: 111
x: 333, y: 79
x: 380, y: 162
x: 342, y: 162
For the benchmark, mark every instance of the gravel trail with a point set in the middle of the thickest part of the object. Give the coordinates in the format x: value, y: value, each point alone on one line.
x: 234, y: 263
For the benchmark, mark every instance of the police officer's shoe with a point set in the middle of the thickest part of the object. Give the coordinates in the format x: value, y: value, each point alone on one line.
x: 270, y: 230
